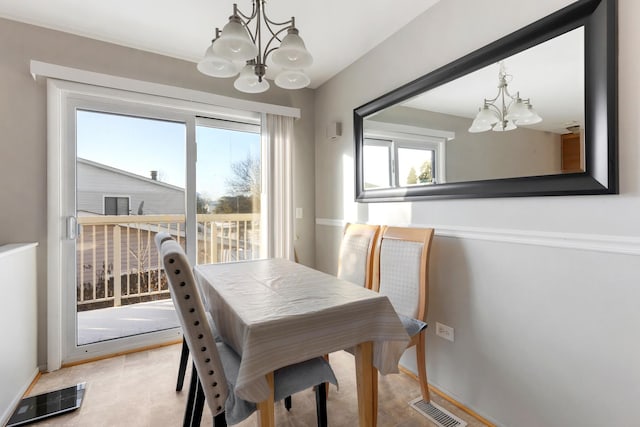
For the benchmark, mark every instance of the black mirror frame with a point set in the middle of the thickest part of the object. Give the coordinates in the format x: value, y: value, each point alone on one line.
x: 599, y: 18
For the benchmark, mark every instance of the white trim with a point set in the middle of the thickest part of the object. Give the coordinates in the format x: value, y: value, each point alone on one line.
x: 390, y: 129
x: 55, y: 224
x: 580, y: 241
x: 12, y: 248
x: 331, y: 222
x: 60, y: 72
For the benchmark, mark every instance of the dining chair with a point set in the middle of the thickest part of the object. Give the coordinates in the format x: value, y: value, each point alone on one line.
x: 401, y: 272
x: 355, y: 259
x: 216, y: 364
x: 184, y: 352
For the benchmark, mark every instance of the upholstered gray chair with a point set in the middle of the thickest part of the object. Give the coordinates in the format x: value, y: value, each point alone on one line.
x: 216, y: 364
x: 184, y: 353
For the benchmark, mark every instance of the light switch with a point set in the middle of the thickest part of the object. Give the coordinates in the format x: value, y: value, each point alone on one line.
x: 299, y: 213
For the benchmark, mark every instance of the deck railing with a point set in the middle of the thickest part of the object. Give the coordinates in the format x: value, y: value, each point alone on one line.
x: 118, y: 263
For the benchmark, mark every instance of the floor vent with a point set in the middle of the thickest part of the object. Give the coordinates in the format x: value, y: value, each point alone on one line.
x: 437, y: 414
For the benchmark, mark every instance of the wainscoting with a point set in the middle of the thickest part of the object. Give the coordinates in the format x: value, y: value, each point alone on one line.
x: 537, y: 315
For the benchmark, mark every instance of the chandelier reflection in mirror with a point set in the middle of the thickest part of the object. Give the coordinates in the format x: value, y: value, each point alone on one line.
x: 505, y: 111
x: 238, y: 50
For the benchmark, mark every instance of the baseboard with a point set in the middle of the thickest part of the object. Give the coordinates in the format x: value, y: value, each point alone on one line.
x: 582, y: 241
x: 121, y: 353
x: 450, y: 399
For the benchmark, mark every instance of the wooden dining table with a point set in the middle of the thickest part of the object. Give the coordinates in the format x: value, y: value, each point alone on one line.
x: 275, y: 313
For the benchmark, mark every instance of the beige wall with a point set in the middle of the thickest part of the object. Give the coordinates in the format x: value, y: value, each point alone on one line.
x: 23, y: 171
x: 538, y: 290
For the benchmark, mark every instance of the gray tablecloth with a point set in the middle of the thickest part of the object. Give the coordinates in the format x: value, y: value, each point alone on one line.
x: 275, y: 313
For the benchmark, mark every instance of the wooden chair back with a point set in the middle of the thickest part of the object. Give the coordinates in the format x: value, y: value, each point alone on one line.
x: 355, y: 260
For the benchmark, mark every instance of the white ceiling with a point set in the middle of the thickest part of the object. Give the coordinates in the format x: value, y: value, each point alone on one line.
x: 336, y: 32
x: 551, y: 75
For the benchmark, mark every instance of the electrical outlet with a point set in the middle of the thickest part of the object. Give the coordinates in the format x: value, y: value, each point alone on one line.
x: 444, y: 331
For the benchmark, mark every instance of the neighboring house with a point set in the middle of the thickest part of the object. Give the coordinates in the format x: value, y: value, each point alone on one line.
x: 105, y: 190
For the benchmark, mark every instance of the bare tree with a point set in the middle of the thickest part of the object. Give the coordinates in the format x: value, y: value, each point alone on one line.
x: 245, y: 180
x: 243, y: 187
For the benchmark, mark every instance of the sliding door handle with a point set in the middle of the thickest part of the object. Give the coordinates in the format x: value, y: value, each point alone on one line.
x: 72, y: 228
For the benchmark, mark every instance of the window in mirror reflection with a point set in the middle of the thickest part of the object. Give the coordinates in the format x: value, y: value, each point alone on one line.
x: 402, y: 160
x: 415, y: 166
x: 377, y: 170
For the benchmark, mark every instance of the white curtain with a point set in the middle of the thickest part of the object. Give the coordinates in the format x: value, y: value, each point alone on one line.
x: 277, y: 135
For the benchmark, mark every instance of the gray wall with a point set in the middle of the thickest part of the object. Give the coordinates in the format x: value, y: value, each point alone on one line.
x: 542, y: 292
x: 23, y: 140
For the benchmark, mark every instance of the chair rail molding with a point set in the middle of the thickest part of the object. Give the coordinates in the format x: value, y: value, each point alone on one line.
x: 581, y: 241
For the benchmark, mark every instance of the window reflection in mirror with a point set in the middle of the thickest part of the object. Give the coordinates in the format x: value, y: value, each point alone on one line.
x: 549, y: 75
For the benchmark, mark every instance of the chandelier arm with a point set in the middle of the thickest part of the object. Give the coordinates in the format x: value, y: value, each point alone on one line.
x: 249, y: 18
x: 506, y: 91
x: 492, y: 105
x: 259, y: 68
x: 246, y: 20
x: 492, y: 100
x: 290, y: 22
x: 505, y: 107
x: 274, y: 33
x: 267, y: 20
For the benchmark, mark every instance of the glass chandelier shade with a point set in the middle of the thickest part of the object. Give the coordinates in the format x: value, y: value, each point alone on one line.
x: 239, y: 48
x: 292, y: 79
x: 292, y: 53
x: 215, y: 65
x: 504, y: 112
x: 249, y: 82
x: 235, y: 42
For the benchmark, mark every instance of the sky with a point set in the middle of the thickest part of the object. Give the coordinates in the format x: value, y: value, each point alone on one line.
x: 139, y: 145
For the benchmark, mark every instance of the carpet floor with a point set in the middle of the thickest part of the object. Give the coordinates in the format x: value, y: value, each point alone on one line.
x: 138, y: 390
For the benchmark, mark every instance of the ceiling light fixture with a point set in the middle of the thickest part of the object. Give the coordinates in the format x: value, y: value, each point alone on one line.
x: 238, y: 48
x: 509, y: 113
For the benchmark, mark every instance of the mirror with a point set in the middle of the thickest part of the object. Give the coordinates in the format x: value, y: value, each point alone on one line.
x: 532, y: 114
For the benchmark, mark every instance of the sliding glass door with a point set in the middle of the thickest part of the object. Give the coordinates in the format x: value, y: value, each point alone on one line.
x: 130, y: 184
x: 136, y: 170
x: 229, y: 191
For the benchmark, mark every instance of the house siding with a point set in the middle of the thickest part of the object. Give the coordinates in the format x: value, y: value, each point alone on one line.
x: 94, y: 182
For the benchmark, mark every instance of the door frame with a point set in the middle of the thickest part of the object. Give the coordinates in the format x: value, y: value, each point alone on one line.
x: 63, y: 97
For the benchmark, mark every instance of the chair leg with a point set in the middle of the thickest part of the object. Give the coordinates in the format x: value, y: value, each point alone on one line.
x: 287, y: 403
x: 182, y: 368
x: 220, y: 420
x: 326, y: 357
x: 287, y: 400
x: 321, y: 404
x: 188, y: 411
x: 198, y: 406
x: 421, y: 361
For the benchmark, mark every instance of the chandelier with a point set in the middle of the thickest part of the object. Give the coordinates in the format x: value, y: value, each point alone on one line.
x: 505, y: 111
x: 238, y: 50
